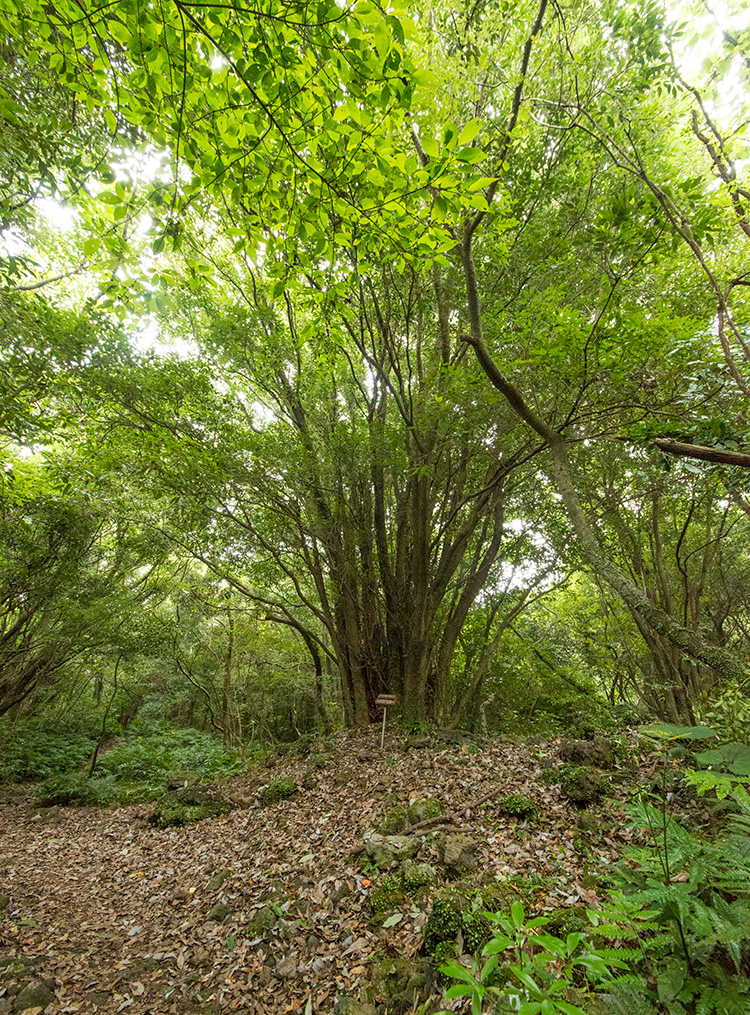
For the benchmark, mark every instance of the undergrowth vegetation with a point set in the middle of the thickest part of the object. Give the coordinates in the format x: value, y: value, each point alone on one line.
x: 129, y: 768
x: 672, y: 938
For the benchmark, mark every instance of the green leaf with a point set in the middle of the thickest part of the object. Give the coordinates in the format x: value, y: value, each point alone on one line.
x: 517, y: 914
x: 458, y: 991
x: 393, y: 919
x: 666, y: 731
x: 471, y: 155
x: 469, y: 132
x: 734, y: 758
x: 499, y: 943
x: 456, y: 970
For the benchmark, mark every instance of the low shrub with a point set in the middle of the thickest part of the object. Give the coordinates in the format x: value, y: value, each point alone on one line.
x: 36, y: 749
x: 74, y: 789
x: 151, y: 756
x: 518, y: 805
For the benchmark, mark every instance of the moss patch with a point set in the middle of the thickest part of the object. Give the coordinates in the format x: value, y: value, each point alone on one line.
x: 278, y: 789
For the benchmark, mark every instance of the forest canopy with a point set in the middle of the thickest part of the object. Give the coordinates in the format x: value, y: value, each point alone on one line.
x: 351, y: 349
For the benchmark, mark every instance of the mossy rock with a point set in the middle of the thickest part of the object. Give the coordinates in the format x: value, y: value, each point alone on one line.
x: 417, y: 875
x: 387, y: 895
x: 423, y: 810
x: 184, y: 777
x: 350, y: 1006
x: 217, y: 880
x: 568, y: 920
x: 36, y: 995
x: 584, y: 786
x: 395, y: 821
x: 278, y: 789
x: 386, y: 850
x: 458, y: 854
x: 518, y: 805
x: 457, y: 916
x: 444, y: 951
x: 444, y: 922
x: 581, y: 784
x: 187, y: 805
x: 397, y: 981
x: 218, y: 913
x: 598, y: 751
x: 383, y: 900
x: 264, y: 920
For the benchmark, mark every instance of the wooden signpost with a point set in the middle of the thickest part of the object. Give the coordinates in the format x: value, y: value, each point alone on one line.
x: 385, y: 701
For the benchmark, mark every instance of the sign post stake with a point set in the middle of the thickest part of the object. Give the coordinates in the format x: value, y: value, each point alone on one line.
x: 385, y: 701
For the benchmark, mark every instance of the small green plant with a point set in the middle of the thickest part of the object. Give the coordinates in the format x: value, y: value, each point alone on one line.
x: 540, y: 968
x: 278, y: 789
x: 729, y: 714
x: 518, y: 805
x: 389, y: 894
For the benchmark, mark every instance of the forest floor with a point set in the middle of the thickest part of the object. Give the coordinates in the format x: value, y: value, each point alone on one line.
x: 266, y: 909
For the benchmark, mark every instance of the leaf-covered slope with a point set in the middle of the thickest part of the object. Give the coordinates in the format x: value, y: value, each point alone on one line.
x: 266, y: 907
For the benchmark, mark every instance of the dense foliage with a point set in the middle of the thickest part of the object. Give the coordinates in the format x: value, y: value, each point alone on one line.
x: 348, y: 350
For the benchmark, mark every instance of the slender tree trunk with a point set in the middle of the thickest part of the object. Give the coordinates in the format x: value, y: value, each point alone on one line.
x: 226, y: 717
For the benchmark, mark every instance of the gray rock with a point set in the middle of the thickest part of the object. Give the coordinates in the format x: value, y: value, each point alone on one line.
x: 287, y: 967
x: 597, y: 752
x: 457, y: 853
x: 385, y: 850
x: 36, y: 994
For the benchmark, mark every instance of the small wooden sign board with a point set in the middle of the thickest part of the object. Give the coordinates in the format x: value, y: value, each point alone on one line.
x: 386, y: 700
